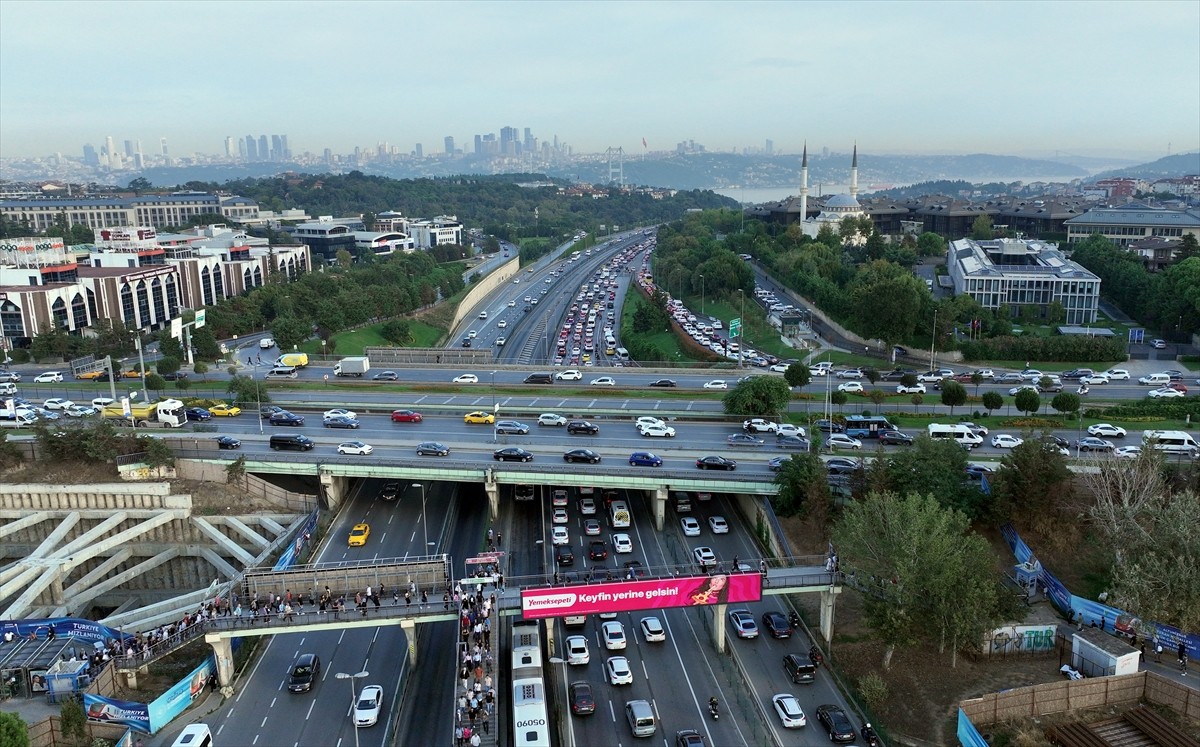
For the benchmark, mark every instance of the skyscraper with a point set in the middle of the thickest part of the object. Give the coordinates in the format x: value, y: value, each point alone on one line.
x: 479, y: 145
x: 251, y: 148
x: 129, y: 149
x: 90, y: 157
x: 287, y: 150
x: 420, y: 152
x: 770, y: 148
x: 264, y: 148
x: 449, y: 145
x: 162, y: 143
x: 276, y: 148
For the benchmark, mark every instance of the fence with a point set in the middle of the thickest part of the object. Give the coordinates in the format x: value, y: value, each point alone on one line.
x: 49, y: 733
x: 1073, y: 695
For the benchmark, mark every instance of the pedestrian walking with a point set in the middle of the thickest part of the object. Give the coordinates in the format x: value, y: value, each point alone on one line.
x: 1183, y: 659
x: 1157, y: 652
x: 487, y: 729
x: 446, y: 601
x: 424, y: 598
x: 458, y: 736
x: 475, y: 740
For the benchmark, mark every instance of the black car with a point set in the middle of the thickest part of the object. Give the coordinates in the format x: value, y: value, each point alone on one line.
x: 777, y: 625
x: 340, y: 421
x: 582, y: 700
x: 1059, y: 441
x: 466, y: 343
x: 893, y: 375
x: 895, y: 438
x: 432, y: 448
x: 836, y: 724
x: 792, y: 442
x: 174, y: 376
x: 581, y: 455
x: 597, y: 550
x: 716, y: 462
x: 266, y: 411
x: 1174, y: 373
x: 829, y: 426
x: 563, y: 556
x: 512, y: 454
x: 228, y: 442
x: 800, y: 669
x: 283, y: 417
x: 386, y: 376
x: 390, y: 492
x: 582, y: 426
x: 305, y: 672
x: 689, y: 738
x: 842, y: 465
x: 663, y: 382
x: 977, y: 471
x: 198, y: 413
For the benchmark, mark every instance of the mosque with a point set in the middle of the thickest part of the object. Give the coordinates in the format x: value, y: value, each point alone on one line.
x: 836, y: 208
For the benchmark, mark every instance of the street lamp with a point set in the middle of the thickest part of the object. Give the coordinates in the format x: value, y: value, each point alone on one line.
x: 258, y: 398
x: 742, y: 330
x: 560, y: 660
x: 353, y: 694
x: 933, y: 339
x: 424, y: 525
x: 701, y: 294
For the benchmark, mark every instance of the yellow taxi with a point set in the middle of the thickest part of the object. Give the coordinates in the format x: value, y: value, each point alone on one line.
x: 132, y: 374
x: 223, y: 410
x: 479, y: 417
x: 90, y: 375
x: 359, y: 534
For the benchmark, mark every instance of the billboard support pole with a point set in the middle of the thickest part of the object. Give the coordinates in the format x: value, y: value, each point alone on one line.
x: 718, y: 627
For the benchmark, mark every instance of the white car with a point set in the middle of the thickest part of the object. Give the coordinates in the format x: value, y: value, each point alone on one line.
x: 502, y: 324
x: 718, y: 525
x: 842, y: 441
x: 652, y: 630
x: 618, y: 670
x: 570, y: 374
x: 850, y: 373
x: 577, y: 650
x: 560, y: 536
x: 716, y: 384
x: 57, y: 403
x: 587, y: 506
x: 1127, y: 452
x: 1005, y: 441
x: 789, y: 711
x: 80, y: 411
x: 366, y: 710
x: 691, y: 527
x: 560, y: 516
x: 917, y: 388
x: 512, y: 304
x: 339, y: 413
x: 613, y: 634
x: 787, y: 429
x: 704, y: 556
x: 100, y: 402
x: 759, y: 425
x: 591, y: 527
x: 1117, y: 374
x: 1106, y: 430
x: 622, y: 543
x: 603, y: 381
x: 851, y: 387
x: 355, y: 447
x: 1095, y: 379
x: 1165, y: 392
x: 549, y: 418
x: 466, y: 379
x: 49, y: 377
x: 1013, y: 392
x: 658, y: 431
x: 648, y: 420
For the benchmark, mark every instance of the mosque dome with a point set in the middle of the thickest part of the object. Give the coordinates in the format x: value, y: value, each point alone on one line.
x: 842, y: 202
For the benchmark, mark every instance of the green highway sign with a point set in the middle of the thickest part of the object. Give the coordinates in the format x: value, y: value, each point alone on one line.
x: 199, y: 318
x: 735, y: 328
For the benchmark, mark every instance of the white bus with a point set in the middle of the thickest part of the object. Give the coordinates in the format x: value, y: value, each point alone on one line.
x: 956, y: 432
x: 1172, y: 442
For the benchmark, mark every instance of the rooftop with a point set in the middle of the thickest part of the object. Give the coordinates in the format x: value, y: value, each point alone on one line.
x: 1138, y: 215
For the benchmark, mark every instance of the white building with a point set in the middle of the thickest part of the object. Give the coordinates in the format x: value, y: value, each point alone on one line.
x: 444, y: 229
x: 1125, y: 225
x: 836, y: 209
x: 1021, y: 273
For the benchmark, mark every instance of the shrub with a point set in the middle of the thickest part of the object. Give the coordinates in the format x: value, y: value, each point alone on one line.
x: 1056, y: 348
x: 873, y: 689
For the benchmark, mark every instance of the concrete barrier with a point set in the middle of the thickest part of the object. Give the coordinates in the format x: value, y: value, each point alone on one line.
x: 486, y: 285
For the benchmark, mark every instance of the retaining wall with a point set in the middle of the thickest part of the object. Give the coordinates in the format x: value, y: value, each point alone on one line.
x: 1073, y: 695
x: 486, y: 285
x: 40, y: 497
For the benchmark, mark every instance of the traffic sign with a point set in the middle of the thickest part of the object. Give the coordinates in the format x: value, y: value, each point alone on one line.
x: 199, y: 318
x: 735, y: 327
x: 176, y: 328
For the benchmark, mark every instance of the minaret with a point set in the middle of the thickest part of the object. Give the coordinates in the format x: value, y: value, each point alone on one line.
x: 854, y: 173
x: 804, y: 184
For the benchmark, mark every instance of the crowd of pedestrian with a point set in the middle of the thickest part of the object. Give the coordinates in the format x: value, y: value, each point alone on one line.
x: 476, y: 692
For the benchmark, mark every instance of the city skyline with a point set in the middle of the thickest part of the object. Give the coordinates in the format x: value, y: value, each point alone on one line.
x: 973, y: 77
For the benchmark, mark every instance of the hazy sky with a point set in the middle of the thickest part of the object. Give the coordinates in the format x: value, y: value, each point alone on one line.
x: 942, y: 77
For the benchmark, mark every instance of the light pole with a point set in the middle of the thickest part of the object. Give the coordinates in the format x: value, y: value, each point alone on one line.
x: 353, y: 694
x: 424, y: 524
x: 258, y: 398
x: 701, y: 294
x: 933, y: 340
x: 742, y: 330
x: 560, y: 660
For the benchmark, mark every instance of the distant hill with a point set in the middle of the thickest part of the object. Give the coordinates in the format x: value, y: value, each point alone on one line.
x: 1180, y: 164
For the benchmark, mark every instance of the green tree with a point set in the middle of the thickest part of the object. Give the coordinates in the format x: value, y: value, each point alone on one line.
x: 13, y: 730
x: 1188, y: 247
x: 1065, y: 402
x: 155, y: 382
x: 876, y: 396
x: 200, y: 368
x: 930, y: 244
x: 909, y: 380
x: 290, y: 331
x: 182, y: 384
x: 757, y: 397
x: 139, y: 185
x: 10, y: 454
x: 954, y: 394
x: 73, y: 721
x: 246, y: 390
x: 1027, y: 401
x: 838, y: 398
x: 158, y: 454
x: 917, y: 399
x: 797, y: 374
x: 649, y: 318
x: 935, y: 466
x: 872, y: 375
x: 397, y: 331
x: 235, y: 471
x: 976, y: 381
x: 344, y: 258
x: 803, y: 486
x: 992, y: 401
x: 1034, y: 480
x: 167, y: 365
x: 981, y: 228
x: 204, y: 344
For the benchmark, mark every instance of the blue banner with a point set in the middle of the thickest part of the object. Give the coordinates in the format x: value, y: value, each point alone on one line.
x: 290, y: 555
x: 80, y: 629
x: 968, y: 735
x: 134, y: 715
x: 174, y: 701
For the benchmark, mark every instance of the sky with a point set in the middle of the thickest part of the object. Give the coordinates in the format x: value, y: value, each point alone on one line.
x: 1021, y: 78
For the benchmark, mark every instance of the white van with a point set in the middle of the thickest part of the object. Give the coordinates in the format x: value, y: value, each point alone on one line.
x: 194, y: 735
x: 282, y: 372
x: 641, y: 718
x: 957, y: 432
x: 1157, y: 379
x: 1172, y: 442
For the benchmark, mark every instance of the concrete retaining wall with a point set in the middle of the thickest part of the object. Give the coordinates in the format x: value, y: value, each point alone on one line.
x: 486, y: 285
x: 144, y: 495
x: 1072, y: 695
x: 279, y: 498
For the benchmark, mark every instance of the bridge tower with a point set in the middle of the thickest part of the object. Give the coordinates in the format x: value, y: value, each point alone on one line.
x: 616, y: 165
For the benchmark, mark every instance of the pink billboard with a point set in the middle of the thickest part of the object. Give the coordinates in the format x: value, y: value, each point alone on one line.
x: 627, y: 596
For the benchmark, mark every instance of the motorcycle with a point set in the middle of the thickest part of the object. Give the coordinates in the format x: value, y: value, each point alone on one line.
x: 794, y: 621
x: 815, y: 656
x: 870, y: 736
x: 713, y: 709
x: 1082, y: 390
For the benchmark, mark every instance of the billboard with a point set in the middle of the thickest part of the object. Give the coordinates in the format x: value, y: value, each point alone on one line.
x: 627, y: 596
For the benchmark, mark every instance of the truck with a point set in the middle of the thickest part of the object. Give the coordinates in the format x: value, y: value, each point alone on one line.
x: 299, y: 360
x: 355, y: 366
x: 166, y: 414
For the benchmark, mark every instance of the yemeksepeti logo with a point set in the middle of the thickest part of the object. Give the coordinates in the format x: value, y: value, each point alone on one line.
x: 549, y: 601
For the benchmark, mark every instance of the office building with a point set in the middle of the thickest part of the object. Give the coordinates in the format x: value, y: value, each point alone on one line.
x: 159, y: 211
x: 1023, y: 274
x: 449, y: 141
x: 1125, y: 225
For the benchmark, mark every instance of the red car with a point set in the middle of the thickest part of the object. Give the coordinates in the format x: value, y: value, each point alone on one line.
x: 406, y: 416
x: 1177, y: 386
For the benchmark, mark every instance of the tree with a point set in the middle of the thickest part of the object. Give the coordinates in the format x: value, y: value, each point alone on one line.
x: 10, y: 455
x: 397, y: 331
x: 1188, y: 247
x: 930, y: 244
x: 803, y: 486
x: 976, y: 380
x: 1027, y: 401
x: 872, y: 375
x: 1065, y: 402
x: 757, y: 397
x: 1156, y: 549
x: 1034, y: 480
x: 247, y: 390
x: 167, y: 365
x: 139, y: 184
x: 992, y: 401
x: 290, y: 331
x: 158, y: 454
x: 344, y: 258
x: 954, y: 394
x: 13, y: 730
x: 916, y: 559
x: 935, y: 466
x: 200, y: 369
x: 917, y: 399
x: 204, y: 344
x: 73, y: 721
x: 235, y: 471
x: 838, y: 398
x: 981, y: 228
x: 797, y: 374
x: 909, y: 380
x: 182, y: 384
x: 876, y: 396
x: 155, y: 382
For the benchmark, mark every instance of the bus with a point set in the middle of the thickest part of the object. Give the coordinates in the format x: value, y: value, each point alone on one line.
x: 869, y: 426
x: 622, y: 354
x: 618, y: 515
x: 1172, y: 442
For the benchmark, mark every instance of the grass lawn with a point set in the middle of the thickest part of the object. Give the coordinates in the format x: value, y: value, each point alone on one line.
x: 354, y: 341
x: 757, y: 332
x: 668, y: 342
